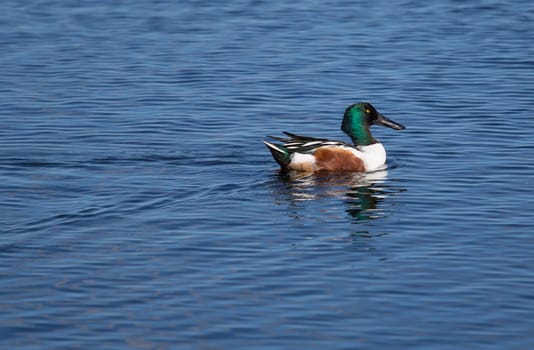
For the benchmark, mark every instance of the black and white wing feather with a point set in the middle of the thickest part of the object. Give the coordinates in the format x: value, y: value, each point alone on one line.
x: 305, y: 144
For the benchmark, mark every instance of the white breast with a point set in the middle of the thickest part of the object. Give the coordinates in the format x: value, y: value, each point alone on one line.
x: 373, y: 156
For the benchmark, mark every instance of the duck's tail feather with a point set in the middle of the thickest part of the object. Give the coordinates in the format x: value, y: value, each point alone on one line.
x: 280, y: 154
x: 281, y: 139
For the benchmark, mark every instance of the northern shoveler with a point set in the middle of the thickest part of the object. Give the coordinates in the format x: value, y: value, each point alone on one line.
x: 312, y: 154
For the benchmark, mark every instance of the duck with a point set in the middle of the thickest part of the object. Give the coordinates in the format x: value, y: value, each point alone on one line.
x: 310, y: 154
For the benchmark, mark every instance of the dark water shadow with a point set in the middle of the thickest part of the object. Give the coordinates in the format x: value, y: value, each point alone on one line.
x: 363, y: 197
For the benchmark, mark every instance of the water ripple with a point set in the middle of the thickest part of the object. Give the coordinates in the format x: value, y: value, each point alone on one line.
x: 140, y: 209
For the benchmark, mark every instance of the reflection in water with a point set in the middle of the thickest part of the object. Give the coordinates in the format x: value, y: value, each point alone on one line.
x: 317, y: 196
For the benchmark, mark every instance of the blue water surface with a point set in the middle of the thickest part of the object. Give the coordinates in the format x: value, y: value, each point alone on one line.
x: 140, y: 210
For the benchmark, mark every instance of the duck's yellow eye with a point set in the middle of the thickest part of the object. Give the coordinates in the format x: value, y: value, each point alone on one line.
x: 367, y: 110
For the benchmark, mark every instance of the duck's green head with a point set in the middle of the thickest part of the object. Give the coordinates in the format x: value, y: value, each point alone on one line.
x: 357, y: 120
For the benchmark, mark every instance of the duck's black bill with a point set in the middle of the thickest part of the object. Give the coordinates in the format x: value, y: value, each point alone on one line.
x: 388, y: 122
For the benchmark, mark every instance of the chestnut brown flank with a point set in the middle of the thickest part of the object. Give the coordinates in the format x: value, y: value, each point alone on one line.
x: 337, y: 159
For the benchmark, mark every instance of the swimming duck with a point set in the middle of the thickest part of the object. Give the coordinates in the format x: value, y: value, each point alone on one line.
x: 312, y: 154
